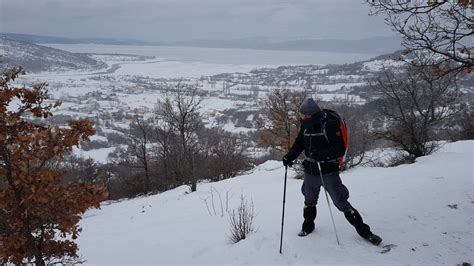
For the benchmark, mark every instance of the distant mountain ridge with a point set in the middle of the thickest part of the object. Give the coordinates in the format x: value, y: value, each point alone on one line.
x: 376, y: 45
x: 63, y: 40
x: 37, y: 58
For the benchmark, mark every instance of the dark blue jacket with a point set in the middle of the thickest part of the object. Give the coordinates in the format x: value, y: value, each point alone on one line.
x: 319, y: 146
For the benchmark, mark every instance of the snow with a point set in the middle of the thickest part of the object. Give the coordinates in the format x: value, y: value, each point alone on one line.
x: 230, y: 127
x: 339, y: 86
x: 342, y: 97
x: 406, y: 205
x: 97, y: 137
x: 378, y: 65
x: 220, y: 104
x: 99, y: 155
x: 175, y: 69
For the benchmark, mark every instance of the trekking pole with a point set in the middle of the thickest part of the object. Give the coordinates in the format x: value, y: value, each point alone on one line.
x: 283, y: 212
x: 329, y: 205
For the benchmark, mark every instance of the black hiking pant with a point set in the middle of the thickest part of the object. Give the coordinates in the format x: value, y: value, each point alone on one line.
x: 339, y: 195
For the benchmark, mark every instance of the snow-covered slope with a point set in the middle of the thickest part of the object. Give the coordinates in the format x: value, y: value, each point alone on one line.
x: 36, y: 58
x: 406, y: 205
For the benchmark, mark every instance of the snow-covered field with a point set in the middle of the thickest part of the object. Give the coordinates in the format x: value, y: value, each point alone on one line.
x: 136, y: 77
x: 131, y: 83
x: 425, y: 209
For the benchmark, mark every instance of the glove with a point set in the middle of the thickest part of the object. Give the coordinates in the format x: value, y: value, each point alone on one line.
x: 286, y: 162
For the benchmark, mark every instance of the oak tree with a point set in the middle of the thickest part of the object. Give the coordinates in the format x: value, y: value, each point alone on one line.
x: 39, y: 211
x: 279, y: 124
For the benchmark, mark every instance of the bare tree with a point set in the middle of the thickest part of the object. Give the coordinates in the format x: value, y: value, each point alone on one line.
x: 461, y: 127
x: 86, y: 170
x: 359, y: 141
x: 414, y: 103
x: 180, y: 114
x: 443, y: 29
x: 223, y: 153
x: 168, y: 156
x: 174, y: 148
x: 138, y: 155
x: 139, y: 146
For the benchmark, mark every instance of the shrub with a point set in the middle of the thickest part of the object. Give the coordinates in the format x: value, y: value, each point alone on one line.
x: 241, y: 220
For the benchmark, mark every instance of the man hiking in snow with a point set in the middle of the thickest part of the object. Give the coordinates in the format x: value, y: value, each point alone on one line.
x: 321, y: 139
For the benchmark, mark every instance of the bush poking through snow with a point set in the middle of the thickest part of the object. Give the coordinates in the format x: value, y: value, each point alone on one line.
x: 241, y: 220
x: 212, y: 208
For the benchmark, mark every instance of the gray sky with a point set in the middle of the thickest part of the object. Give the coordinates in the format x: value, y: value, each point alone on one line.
x: 169, y: 20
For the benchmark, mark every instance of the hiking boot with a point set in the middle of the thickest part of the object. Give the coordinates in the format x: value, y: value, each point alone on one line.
x: 374, y: 239
x: 309, y: 214
x: 303, y: 233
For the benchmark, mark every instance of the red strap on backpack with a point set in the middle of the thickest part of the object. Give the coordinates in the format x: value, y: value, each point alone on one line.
x: 345, y: 137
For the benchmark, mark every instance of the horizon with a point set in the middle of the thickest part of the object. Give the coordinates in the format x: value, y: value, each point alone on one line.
x: 200, y: 39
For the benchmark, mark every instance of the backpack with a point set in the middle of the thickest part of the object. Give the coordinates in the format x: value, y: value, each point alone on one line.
x: 343, y: 127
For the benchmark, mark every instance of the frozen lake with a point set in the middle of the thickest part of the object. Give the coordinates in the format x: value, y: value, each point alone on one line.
x: 226, y: 56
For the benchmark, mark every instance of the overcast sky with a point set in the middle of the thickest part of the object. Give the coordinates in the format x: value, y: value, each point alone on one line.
x: 170, y: 20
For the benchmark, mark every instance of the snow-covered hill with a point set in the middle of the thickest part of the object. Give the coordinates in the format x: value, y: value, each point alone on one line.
x: 36, y: 58
x: 425, y: 209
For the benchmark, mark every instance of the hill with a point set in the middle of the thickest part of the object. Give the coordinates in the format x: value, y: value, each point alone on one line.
x: 37, y: 58
x: 53, y: 39
x: 425, y: 209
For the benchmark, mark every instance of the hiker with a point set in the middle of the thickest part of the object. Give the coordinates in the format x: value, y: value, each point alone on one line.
x: 321, y: 138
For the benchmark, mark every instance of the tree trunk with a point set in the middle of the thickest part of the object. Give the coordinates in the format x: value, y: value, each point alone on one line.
x: 39, y: 260
x: 36, y: 251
